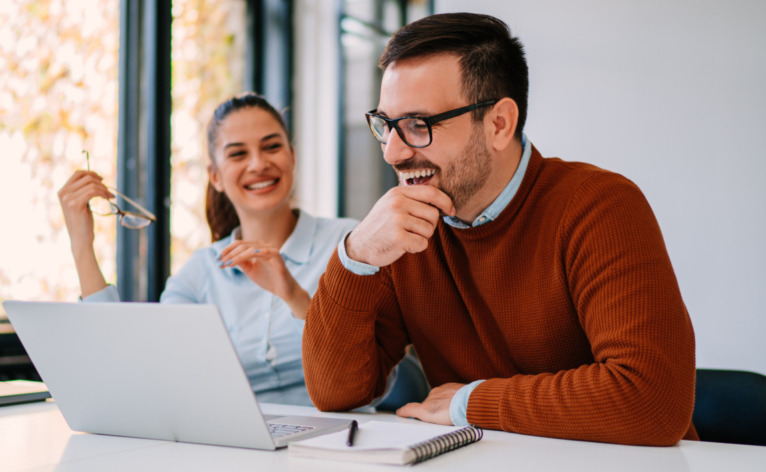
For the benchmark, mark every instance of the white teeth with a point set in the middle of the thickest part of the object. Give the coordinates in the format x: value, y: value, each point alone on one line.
x: 416, y: 174
x: 259, y: 185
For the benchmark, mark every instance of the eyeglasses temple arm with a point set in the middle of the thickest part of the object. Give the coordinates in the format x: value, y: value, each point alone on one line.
x: 146, y: 212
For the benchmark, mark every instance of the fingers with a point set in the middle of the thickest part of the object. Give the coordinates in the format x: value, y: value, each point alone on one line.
x: 80, y: 179
x: 420, y: 220
x: 402, y: 221
x: 80, y: 188
x: 239, y: 245
x: 435, y: 408
x: 430, y: 195
x: 425, y: 412
x: 240, y: 252
x: 410, y: 410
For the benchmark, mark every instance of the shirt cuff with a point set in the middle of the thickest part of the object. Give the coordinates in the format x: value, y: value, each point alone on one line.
x: 106, y: 294
x: 458, y: 407
x: 358, y: 268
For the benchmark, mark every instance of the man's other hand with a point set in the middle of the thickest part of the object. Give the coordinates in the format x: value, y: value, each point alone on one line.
x: 435, y: 408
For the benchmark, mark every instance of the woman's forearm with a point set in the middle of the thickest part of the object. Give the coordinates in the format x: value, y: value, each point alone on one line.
x: 89, y: 272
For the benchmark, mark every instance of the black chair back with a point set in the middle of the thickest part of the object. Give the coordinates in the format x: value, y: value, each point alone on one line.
x: 730, y: 406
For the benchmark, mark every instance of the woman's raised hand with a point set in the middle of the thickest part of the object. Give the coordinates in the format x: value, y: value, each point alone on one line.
x: 265, y: 266
x: 74, y: 196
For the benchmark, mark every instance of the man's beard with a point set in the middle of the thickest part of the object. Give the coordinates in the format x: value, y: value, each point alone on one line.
x: 466, y: 175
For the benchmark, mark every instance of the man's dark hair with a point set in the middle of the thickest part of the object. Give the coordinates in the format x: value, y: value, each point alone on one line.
x: 491, y: 60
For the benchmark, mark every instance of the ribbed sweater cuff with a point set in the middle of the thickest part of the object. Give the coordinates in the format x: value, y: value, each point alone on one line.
x: 484, y: 404
x: 350, y: 291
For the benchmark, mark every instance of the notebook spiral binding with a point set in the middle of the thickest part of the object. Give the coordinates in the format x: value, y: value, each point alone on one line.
x: 446, y: 442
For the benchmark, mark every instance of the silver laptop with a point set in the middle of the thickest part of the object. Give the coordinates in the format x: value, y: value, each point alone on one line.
x: 148, y: 370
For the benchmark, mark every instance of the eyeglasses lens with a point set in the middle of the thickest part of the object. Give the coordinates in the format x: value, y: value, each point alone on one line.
x: 379, y: 128
x: 103, y: 207
x: 133, y: 221
x: 413, y: 131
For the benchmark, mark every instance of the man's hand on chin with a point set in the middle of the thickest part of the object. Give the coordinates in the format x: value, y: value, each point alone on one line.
x: 435, y: 408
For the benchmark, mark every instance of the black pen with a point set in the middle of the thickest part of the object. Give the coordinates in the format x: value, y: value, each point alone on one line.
x: 352, y: 432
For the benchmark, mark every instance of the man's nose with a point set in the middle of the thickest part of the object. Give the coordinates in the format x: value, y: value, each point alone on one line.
x: 396, y: 150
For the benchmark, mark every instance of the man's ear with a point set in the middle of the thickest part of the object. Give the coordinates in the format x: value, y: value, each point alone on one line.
x: 504, y: 117
x: 215, y: 179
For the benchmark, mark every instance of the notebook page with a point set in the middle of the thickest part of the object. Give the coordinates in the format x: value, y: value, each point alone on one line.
x: 379, y: 435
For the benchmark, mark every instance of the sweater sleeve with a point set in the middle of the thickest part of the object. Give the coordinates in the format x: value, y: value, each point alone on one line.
x: 640, y: 387
x: 353, y: 337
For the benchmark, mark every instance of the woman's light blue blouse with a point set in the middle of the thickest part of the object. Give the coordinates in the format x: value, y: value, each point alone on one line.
x: 263, y: 330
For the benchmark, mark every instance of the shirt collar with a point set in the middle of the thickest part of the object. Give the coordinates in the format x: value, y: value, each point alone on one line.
x: 505, y: 197
x: 298, y: 246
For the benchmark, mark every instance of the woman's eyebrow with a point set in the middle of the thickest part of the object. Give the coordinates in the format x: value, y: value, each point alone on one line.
x: 265, y: 138
x: 270, y: 136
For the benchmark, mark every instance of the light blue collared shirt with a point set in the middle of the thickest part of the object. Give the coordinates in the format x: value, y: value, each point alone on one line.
x: 266, y: 336
x: 459, y: 404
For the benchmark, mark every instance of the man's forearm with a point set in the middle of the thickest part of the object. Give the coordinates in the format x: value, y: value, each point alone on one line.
x: 341, y: 356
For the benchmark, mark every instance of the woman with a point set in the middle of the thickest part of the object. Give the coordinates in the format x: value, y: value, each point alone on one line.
x: 266, y: 259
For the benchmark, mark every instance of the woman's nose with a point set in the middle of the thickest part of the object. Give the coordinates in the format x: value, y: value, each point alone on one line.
x: 257, y: 162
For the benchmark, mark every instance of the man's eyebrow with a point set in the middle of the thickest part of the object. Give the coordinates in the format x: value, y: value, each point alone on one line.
x: 409, y: 113
x: 233, y: 145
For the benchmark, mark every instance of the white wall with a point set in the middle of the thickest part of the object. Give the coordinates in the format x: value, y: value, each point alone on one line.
x: 672, y: 94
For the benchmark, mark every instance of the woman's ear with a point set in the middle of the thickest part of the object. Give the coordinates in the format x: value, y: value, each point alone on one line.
x: 504, y: 117
x: 215, y: 178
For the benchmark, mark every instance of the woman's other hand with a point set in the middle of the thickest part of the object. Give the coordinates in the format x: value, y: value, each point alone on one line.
x: 265, y: 266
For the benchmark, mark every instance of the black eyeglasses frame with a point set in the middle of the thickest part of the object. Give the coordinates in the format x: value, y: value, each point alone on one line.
x: 393, y: 124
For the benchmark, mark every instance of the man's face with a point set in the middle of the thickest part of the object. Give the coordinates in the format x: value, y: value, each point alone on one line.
x: 457, y: 161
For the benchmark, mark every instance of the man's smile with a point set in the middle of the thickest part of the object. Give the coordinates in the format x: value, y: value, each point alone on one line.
x: 416, y: 177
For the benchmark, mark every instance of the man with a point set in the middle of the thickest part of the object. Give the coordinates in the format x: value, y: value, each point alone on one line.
x: 538, y: 293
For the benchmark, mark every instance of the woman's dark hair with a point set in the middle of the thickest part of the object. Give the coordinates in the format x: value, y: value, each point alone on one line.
x: 491, y: 60
x: 220, y: 213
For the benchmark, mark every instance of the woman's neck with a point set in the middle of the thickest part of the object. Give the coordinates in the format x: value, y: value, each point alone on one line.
x: 272, y: 228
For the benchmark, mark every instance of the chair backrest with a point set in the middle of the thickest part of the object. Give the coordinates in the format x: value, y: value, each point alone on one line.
x: 410, y: 385
x: 730, y: 406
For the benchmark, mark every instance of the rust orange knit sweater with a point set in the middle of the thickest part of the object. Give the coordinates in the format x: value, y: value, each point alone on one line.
x: 567, y: 304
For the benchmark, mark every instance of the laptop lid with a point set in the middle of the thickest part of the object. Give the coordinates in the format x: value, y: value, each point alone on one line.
x: 147, y: 370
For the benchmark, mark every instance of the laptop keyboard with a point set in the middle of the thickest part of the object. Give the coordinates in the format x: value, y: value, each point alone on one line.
x: 278, y: 430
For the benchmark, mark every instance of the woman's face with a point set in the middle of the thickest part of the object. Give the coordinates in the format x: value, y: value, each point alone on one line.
x: 254, y: 162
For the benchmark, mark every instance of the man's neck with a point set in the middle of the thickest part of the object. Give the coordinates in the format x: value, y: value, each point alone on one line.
x: 504, y: 166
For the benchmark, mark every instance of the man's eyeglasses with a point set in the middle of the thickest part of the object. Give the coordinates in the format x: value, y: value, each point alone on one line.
x: 415, y: 131
x: 128, y: 219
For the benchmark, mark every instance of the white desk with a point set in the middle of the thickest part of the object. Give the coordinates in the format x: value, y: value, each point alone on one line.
x: 35, y: 437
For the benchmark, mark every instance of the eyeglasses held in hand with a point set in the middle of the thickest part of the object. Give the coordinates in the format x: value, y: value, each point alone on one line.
x: 415, y: 131
x: 129, y: 219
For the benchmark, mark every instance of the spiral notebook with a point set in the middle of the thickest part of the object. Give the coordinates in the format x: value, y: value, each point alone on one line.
x: 383, y: 442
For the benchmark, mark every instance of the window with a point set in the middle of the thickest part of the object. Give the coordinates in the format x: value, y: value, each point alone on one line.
x: 366, y: 26
x: 54, y: 102
x: 208, y: 65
